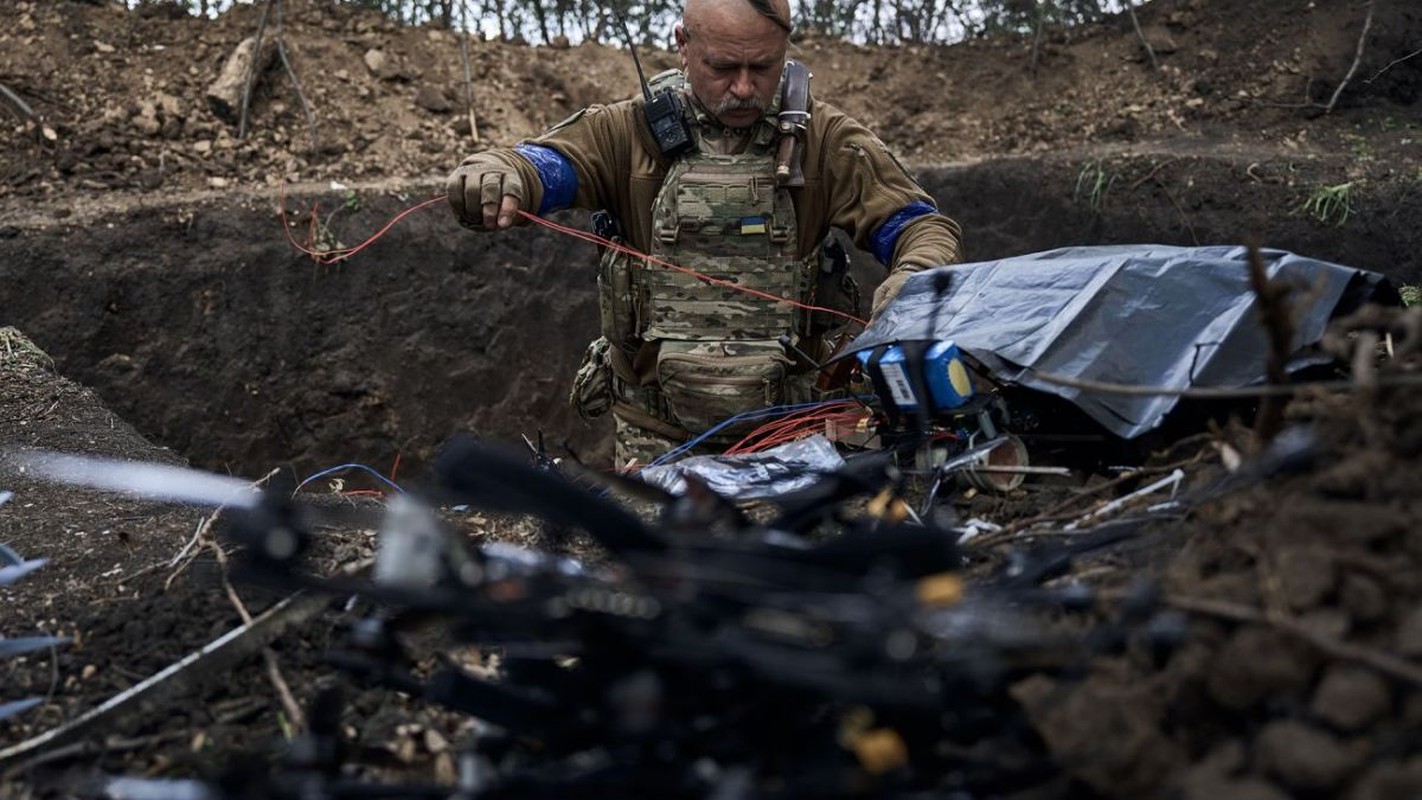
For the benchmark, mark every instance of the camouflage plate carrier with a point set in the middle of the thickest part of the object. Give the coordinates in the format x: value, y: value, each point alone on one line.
x: 705, y: 349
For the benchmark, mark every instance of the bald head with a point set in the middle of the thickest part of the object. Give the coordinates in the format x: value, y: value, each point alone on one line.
x: 733, y: 52
x: 777, y: 12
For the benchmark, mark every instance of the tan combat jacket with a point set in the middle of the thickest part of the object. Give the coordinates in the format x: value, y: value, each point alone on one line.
x: 851, y: 181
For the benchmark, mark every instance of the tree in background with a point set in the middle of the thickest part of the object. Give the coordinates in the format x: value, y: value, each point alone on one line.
x: 864, y: 21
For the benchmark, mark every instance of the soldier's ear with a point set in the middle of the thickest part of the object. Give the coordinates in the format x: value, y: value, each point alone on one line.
x: 679, y: 32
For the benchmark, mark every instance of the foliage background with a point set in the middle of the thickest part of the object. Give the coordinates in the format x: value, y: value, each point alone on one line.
x: 863, y: 21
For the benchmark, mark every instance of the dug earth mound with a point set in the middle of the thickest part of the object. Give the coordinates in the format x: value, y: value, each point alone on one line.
x: 156, y: 256
x: 152, y: 263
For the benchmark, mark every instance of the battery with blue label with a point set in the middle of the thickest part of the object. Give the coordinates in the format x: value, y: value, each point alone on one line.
x: 945, y: 377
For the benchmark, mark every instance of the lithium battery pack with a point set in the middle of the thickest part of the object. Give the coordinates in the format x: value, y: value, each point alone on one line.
x: 945, y: 378
x: 949, y: 383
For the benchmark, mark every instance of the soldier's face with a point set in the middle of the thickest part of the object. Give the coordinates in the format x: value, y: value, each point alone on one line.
x: 733, y: 60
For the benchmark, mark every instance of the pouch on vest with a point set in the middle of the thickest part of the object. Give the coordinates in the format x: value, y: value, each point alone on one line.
x: 834, y: 288
x: 619, y: 304
x: 703, y: 383
x: 592, y: 393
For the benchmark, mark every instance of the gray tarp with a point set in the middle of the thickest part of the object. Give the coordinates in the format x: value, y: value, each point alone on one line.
x: 1146, y: 315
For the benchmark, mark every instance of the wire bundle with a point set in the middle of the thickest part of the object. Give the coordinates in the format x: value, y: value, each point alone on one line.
x: 805, y: 419
x: 800, y: 425
x: 760, y: 413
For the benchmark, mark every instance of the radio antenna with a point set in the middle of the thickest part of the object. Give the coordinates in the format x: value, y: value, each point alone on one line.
x: 627, y: 33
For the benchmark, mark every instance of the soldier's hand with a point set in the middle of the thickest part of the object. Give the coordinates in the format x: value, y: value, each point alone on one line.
x: 485, y: 194
x: 888, y: 290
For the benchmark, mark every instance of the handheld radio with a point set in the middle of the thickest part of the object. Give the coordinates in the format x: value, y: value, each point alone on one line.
x: 664, y: 111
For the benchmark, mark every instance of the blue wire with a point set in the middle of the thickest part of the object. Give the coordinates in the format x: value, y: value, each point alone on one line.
x: 732, y: 420
x: 323, y: 473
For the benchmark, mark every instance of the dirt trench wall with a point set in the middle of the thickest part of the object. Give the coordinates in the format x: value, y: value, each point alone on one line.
x: 205, y: 328
x: 198, y: 322
x: 1023, y: 205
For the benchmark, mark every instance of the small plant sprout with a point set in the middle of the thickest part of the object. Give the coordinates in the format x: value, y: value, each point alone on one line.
x: 1092, y: 183
x: 1330, y: 205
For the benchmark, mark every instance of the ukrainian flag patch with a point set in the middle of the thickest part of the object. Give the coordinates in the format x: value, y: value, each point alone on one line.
x: 751, y: 225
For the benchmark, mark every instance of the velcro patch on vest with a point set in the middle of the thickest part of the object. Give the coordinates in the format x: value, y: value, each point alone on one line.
x: 753, y: 225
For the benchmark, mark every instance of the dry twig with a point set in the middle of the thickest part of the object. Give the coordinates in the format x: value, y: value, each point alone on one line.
x: 295, y: 82
x: 110, y: 745
x: 1382, y: 662
x: 1036, y: 36
x: 1357, y: 59
x: 200, y: 535
x: 1185, y: 218
x: 468, y: 73
x: 22, y: 109
x: 192, y: 670
x: 252, y: 71
x: 1057, y: 513
x: 1276, y: 317
x: 1158, y: 167
x: 1140, y: 34
x: 1392, y: 64
x: 283, y: 689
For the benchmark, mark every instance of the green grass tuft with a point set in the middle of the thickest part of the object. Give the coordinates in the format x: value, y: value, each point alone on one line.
x: 1330, y: 205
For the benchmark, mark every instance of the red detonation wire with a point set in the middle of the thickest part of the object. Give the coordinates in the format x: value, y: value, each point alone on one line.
x: 333, y: 256
x: 595, y: 239
x: 341, y: 254
x: 797, y: 426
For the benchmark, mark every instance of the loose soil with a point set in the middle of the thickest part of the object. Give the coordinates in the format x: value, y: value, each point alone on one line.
x: 164, y: 314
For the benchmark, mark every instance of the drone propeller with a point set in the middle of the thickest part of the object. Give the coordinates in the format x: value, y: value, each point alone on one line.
x: 13, y: 572
x: 17, y: 707
x: 268, y: 522
x: 137, y: 478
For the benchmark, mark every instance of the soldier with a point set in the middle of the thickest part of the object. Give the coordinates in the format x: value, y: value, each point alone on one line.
x: 699, y: 180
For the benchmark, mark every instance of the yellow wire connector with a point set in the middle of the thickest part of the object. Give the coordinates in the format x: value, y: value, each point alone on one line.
x: 943, y: 589
x: 888, y: 506
x: 880, y: 750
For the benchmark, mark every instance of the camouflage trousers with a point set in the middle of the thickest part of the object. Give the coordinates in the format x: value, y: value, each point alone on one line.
x: 698, y: 385
x: 639, y: 445
x: 643, y: 443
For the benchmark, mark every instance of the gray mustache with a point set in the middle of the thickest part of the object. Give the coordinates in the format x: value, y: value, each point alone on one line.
x: 738, y: 104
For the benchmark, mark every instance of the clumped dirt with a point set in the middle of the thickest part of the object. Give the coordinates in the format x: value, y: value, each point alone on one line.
x: 144, y: 247
x: 120, y: 96
x: 1300, y: 676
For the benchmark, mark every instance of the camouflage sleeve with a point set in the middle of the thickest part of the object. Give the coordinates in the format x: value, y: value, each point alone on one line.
x: 873, y: 198
x: 927, y: 240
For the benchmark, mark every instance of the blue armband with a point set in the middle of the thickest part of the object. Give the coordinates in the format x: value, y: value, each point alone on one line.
x: 887, y: 236
x: 555, y: 171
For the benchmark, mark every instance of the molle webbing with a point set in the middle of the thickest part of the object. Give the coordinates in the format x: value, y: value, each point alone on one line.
x: 724, y: 217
